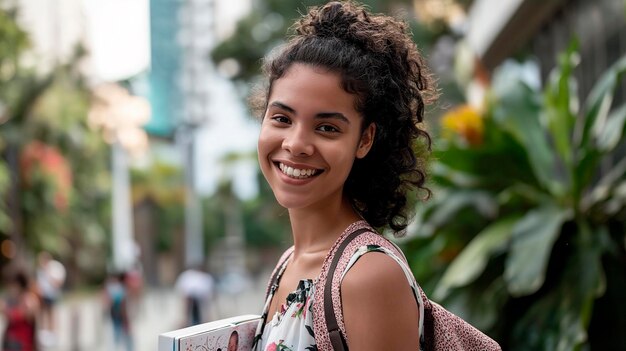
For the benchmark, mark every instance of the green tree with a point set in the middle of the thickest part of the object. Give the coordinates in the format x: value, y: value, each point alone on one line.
x: 268, y: 23
x: 59, y: 119
x: 57, y: 164
x: 20, y: 87
x: 530, y: 213
x: 162, y: 186
x: 265, y: 223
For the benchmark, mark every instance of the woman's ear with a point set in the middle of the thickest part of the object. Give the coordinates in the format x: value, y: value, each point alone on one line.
x: 367, y: 140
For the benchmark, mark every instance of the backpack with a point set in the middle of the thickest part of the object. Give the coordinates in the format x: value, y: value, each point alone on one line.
x: 116, y: 310
x: 117, y: 307
x: 442, y: 330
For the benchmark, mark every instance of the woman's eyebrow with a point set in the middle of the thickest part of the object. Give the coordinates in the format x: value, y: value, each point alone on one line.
x: 334, y: 115
x: 283, y: 107
x: 321, y: 115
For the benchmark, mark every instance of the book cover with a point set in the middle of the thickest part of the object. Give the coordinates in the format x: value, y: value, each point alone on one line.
x: 230, y: 334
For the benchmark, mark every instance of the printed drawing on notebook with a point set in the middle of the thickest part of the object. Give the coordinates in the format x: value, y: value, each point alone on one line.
x: 231, y: 334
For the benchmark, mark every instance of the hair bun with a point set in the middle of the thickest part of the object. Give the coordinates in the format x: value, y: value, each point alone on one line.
x: 333, y: 20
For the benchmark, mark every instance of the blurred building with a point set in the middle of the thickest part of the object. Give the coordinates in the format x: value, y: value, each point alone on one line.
x: 189, y: 101
x: 159, y: 49
x: 500, y: 29
x: 55, y: 27
x: 167, y: 59
x: 114, y: 52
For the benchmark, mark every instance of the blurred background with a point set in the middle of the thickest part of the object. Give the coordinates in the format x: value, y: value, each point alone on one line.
x: 126, y: 147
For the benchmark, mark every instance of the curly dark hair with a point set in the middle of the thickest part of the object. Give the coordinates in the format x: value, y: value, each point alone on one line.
x: 380, y: 64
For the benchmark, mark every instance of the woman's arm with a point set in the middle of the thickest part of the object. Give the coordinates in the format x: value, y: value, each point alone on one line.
x: 380, y: 311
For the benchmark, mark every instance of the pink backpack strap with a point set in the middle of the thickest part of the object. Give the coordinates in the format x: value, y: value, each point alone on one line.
x: 442, y: 330
x: 330, y: 333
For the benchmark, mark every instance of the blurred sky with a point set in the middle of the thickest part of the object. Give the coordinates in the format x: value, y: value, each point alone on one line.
x: 116, y: 33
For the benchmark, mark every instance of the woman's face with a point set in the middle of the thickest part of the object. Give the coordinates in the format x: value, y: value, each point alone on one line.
x: 310, y: 137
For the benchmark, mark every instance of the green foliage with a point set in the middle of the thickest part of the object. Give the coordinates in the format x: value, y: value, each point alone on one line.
x: 59, y: 118
x: 13, y: 42
x: 162, y: 185
x: 265, y: 223
x: 529, y: 222
x: 5, y: 182
x: 268, y: 24
x: 260, y: 31
x: 19, y: 89
x: 70, y: 218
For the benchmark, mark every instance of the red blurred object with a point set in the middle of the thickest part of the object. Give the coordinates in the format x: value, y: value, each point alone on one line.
x: 47, y: 159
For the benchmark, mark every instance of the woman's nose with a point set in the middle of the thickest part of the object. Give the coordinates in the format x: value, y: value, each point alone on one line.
x: 298, y: 142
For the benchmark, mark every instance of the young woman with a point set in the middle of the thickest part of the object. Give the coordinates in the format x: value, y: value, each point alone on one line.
x: 341, y: 120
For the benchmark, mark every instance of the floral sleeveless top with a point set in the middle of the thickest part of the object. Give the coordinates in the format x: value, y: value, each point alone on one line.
x: 291, y: 328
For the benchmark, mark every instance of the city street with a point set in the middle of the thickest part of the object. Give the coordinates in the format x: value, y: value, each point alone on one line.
x: 83, y: 324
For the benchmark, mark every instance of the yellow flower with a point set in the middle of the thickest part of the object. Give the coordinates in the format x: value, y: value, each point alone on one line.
x: 464, y: 121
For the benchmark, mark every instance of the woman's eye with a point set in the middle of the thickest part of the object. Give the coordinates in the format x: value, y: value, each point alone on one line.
x: 280, y: 119
x: 327, y: 128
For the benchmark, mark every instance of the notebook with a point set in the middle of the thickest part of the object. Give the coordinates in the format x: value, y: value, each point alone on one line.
x: 230, y: 334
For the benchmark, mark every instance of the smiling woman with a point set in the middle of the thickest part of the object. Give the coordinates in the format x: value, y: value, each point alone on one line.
x: 310, y: 136
x: 340, y: 120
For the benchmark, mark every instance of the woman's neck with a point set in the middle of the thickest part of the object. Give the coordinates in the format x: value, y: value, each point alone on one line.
x: 315, y: 231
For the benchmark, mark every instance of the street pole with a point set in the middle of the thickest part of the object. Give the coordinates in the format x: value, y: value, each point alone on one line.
x: 121, y: 115
x: 197, y: 40
x: 122, y: 210
x: 194, y: 240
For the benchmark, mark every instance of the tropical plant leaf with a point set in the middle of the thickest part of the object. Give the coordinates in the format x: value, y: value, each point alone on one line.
x: 455, y: 177
x: 551, y: 323
x: 598, y: 103
x: 605, y: 187
x: 559, y: 321
x: 516, y: 109
x: 593, y: 126
x: 532, y: 241
x: 448, y: 204
x: 561, y: 102
x: 471, y: 262
x: 479, y: 305
x: 611, y: 134
x: 591, y: 243
x: 499, y: 150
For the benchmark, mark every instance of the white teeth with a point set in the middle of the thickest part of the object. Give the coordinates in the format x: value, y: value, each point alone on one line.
x: 295, y: 172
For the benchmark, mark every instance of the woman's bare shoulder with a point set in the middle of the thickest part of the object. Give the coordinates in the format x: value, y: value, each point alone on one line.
x: 379, y: 308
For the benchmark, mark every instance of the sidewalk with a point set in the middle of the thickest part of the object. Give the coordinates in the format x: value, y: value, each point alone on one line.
x: 82, y: 324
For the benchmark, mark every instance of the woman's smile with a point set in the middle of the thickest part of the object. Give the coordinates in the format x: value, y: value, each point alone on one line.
x: 310, y: 137
x: 297, y: 173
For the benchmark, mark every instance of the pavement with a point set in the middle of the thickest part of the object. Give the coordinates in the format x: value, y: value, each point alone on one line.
x: 83, y: 324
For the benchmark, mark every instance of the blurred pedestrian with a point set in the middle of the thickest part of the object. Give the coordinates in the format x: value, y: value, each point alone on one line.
x: 117, y: 303
x: 50, y: 279
x: 196, y: 285
x: 134, y: 288
x: 19, y: 308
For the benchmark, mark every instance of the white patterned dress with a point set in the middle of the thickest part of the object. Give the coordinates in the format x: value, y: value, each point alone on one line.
x: 291, y: 328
